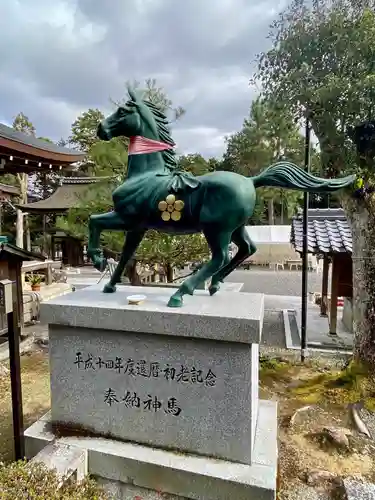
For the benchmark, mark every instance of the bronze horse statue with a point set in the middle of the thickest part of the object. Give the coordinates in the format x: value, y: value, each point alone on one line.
x: 158, y: 195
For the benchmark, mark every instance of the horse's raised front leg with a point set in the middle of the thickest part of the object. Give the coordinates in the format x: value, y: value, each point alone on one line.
x: 246, y: 247
x: 218, y: 243
x: 133, y: 239
x: 97, y: 224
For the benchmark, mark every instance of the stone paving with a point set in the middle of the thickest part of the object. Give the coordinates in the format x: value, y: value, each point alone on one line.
x: 282, y: 291
x: 275, y: 282
x: 317, y: 327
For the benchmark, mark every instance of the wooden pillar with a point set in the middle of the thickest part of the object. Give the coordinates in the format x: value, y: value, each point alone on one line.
x: 45, y: 195
x: 49, y: 276
x: 53, y: 247
x: 334, y: 295
x: 64, y: 253
x: 15, y: 275
x: 323, y: 304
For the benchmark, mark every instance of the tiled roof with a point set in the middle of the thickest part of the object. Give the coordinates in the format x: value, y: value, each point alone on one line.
x: 14, y: 135
x: 66, y: 196
x: 328, y: 232
x: 82, y: 180
x: 6, y: 188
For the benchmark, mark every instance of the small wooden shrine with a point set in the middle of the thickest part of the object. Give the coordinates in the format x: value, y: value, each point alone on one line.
x: 330, y: 238
x: 66, y: 196
x: 11, y: 259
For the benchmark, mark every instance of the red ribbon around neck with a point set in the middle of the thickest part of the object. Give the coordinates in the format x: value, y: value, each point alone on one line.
x: 141, y: 145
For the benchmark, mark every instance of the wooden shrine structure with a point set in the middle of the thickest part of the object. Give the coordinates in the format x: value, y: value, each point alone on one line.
x: 23, y: 153
x: 330, y: 238
x: 6, y: 194
x: 7, y: 191
x: 11, y: 259
x: 66, y: 196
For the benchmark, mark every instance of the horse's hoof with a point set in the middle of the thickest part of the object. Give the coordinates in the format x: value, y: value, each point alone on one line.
x: 175, y: 302
x: 108, y: 288
x: 214, y: 288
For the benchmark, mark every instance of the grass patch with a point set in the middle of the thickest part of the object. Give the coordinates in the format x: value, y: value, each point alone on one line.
x: 350, y: 385
x: 274, y: 369
x: 35, y: 396
x: 20, y: 480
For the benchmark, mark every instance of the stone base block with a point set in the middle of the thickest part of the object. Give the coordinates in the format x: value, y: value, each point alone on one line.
x: 152, y: 375
x: 130, y: 470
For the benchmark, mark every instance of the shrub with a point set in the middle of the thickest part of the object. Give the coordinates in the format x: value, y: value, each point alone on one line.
x: 33, y: 481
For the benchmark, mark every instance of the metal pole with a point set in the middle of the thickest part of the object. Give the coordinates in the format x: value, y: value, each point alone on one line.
x: 305, y: 261
x: 15, y: 380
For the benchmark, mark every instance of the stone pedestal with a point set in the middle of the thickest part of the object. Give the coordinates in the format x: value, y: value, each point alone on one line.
x: 177, y: 384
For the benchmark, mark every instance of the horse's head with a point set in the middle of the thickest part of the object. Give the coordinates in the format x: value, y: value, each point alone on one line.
x: 134, y: 118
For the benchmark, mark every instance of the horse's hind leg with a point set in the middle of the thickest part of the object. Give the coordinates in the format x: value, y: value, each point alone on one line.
x: 133, y: 239
x: 97, y: 224
x: 246, y: 247
x: 218, y: 243
x: 226, y: 261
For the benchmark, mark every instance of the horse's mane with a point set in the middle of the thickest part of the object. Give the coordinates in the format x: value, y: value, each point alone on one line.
x: 162, y: 126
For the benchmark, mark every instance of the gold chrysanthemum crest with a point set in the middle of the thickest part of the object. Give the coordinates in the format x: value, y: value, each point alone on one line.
x: 171, y: 208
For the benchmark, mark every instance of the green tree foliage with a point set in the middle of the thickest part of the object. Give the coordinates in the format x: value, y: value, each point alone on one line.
x: 157, y: 95
x: 84, y: 129
x: 322, y: 64
x: 215, y: 164
x: 22, y: 123
x: 172, y: 251
x: 103, y: 158
x: 194, y: 163
x: 45, y: 139
x: 268, y: 134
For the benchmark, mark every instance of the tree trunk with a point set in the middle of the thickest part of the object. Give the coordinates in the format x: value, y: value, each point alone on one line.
x: 27, y: 233
x: 282, y: 208
x: 19, y: 229
x: 131, y: 273
x: 22, y: 180
x: 271, y: 213
x: 362, y: 217
x: 170, y: 273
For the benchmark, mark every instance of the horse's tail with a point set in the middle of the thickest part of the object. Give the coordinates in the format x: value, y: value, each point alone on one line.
x: 287, y: 175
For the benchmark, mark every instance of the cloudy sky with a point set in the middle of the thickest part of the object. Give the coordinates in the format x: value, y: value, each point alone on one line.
x: 60, y: 57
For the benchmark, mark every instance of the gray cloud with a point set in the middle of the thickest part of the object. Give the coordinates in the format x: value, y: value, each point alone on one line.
x: 59, y: 58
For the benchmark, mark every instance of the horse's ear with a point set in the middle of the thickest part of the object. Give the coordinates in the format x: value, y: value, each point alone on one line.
x: 132, y: 94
